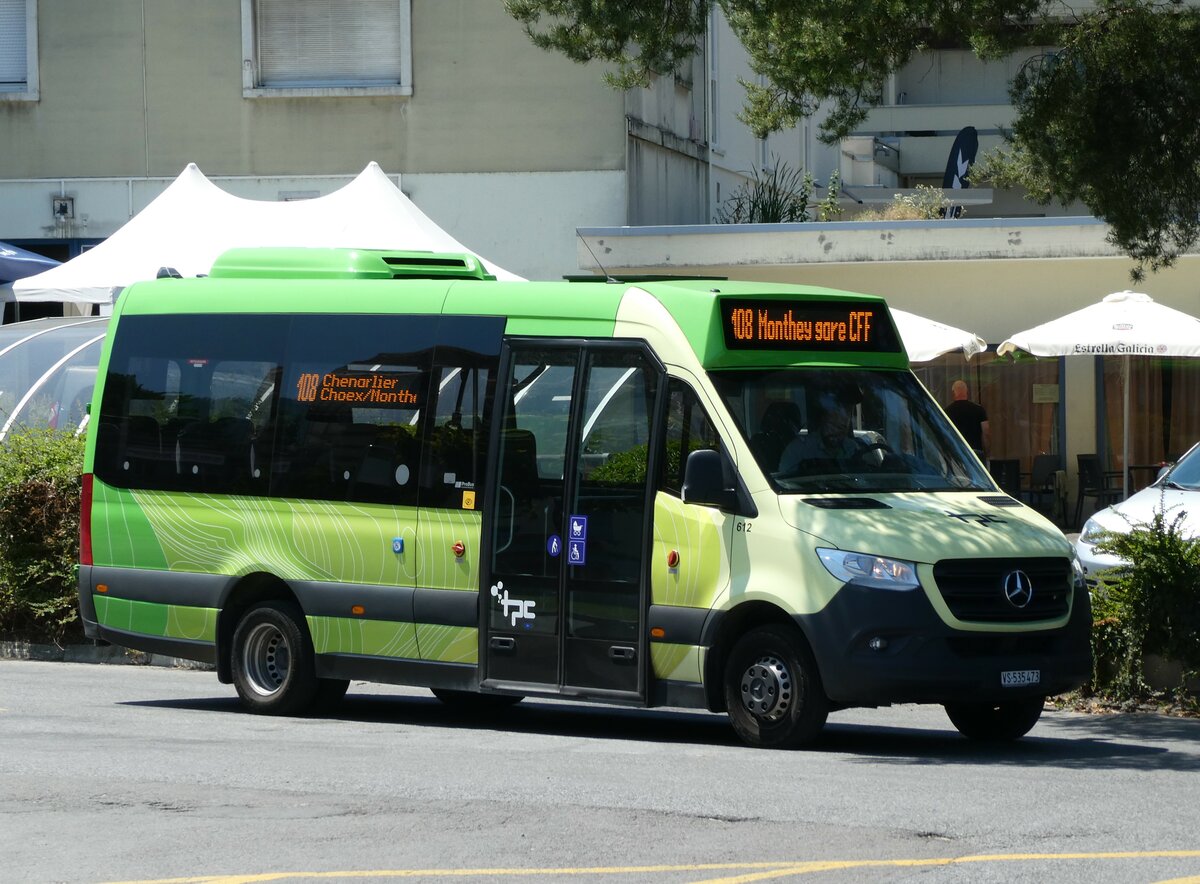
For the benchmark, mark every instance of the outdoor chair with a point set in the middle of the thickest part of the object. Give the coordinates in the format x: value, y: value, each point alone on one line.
x: 1043, y: 481
x: 1093, y: 482
x: 1007, y: 473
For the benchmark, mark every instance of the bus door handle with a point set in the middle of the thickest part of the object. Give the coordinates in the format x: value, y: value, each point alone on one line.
x: 503, y: 644
x: 622, y: 654
x: 512, y: 518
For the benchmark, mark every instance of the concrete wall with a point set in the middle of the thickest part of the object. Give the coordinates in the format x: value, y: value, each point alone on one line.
x: 132, y: 88
x: 507, y: 146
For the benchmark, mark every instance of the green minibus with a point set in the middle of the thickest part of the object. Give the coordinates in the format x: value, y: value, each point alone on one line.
x: 314, y: 466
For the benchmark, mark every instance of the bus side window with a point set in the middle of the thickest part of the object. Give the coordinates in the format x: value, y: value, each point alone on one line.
x: 456, y: 450
x: 216, y: 450
x: 688, y: 429
x: 138, y: 403
x: 351, y: 431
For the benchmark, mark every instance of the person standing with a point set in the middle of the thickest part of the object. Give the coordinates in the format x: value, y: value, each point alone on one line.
x: 971, y: 419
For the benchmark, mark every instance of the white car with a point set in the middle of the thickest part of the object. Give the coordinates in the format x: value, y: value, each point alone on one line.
x: 1175, y: 491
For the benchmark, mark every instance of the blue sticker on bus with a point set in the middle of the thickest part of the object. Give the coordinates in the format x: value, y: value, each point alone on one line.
x: 554, y: 545
x: 577, y: 528
x: 397, y: 544
x: 577, y: 552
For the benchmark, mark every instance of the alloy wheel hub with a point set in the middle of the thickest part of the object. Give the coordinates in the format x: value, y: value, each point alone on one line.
x: 767, y: 688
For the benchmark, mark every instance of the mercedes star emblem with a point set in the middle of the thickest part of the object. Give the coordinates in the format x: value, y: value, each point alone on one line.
x: 1018, y: 589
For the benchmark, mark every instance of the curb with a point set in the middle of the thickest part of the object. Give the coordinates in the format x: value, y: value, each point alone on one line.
x: 19, y: 650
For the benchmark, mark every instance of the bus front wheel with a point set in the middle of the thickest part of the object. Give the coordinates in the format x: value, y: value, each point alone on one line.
x: 772, y: 689
x: 996, y: 722
x: 273, y: 660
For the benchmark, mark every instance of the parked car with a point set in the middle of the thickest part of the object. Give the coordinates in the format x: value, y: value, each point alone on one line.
x: 1175, y: 491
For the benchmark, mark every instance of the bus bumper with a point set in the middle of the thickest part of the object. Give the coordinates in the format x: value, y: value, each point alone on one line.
x: 87, y: 607
x: 900, y: 651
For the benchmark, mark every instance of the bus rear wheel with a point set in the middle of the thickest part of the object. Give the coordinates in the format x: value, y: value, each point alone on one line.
x: 996, y: 722
x: 772, y: 689
x: 273, y: 660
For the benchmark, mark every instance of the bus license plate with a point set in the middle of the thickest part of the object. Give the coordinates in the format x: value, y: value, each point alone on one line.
x: 1019, y: 677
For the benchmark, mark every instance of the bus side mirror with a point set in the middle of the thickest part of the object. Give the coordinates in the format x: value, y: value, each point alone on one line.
x: 704, y: 481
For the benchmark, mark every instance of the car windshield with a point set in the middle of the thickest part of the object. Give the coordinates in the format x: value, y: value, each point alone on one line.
x: 820, y: 430
x: 1186, y: 473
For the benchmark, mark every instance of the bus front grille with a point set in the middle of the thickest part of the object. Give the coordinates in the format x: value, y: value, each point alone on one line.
x: 1004, y: 590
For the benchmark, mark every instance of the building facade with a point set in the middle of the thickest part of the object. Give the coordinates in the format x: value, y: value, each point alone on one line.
x: 507, y: 146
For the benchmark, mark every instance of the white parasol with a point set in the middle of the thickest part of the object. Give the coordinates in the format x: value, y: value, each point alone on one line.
x: 927, y: 339
x: 1124, y: 324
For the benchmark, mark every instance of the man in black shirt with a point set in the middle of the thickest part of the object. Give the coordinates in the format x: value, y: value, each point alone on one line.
x: 971, y: 420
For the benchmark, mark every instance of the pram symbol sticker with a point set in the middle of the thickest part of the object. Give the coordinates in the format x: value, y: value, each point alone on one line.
x: 578, y: 528
x: 514, y: 609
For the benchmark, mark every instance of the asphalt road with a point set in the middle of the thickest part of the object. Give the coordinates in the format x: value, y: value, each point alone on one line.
x: 121, y: 773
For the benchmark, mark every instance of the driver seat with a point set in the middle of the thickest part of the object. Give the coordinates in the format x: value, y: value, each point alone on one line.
x: 781, y: 422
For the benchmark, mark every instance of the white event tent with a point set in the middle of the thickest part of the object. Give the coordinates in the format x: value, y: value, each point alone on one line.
x: 193, y: 221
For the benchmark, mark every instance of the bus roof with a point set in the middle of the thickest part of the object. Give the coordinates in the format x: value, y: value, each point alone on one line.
x: 711, y: 313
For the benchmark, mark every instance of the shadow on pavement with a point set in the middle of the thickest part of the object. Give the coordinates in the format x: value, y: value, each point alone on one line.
x: 1066, y: 740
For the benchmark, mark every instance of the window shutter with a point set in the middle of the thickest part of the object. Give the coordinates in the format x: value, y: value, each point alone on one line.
x: 14, y: 70
x: 328, y: 42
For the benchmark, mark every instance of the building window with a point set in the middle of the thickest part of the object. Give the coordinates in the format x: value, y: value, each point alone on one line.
x: 333, y: 48
x: 18, y: 50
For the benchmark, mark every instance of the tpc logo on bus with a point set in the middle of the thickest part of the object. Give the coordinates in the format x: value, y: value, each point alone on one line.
x: 515, y: 609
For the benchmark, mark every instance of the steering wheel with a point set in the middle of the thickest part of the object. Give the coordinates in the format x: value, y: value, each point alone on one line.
x: 861, y: 454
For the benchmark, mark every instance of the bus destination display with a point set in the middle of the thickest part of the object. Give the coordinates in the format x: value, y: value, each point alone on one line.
x: 807, y: 325
x: 361, y: 389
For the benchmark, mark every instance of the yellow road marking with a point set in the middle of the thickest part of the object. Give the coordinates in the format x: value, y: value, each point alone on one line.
x: 761, y: 871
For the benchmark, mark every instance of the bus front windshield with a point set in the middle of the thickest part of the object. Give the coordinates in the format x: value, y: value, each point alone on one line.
x: 821, y: 430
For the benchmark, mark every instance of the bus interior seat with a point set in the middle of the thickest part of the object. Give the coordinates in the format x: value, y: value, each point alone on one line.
x: 143, y: 445
x: 217, y: 449
x: 781, y: 422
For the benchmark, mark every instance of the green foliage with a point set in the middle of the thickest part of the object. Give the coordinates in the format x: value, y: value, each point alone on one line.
x: 624, y: 468
x: 1110, y: 120
x: 781, y: 195
x: 39, y: 534
x: 829, y: 209
x: 778, y: 196
x: 840, y: 51
x: 640, y: 38
x: 923, y: 204
x: 1149, y: 606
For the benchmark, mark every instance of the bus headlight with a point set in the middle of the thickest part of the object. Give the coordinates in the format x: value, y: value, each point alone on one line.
x: 872, y: 572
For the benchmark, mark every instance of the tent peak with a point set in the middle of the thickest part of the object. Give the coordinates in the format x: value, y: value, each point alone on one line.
x: 1127, y: 295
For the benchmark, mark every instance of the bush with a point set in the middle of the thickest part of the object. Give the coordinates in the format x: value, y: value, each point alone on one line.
x: 779, y: 195
x: 925, y: 203
x: 1149, y: 606
x: 39, y: 535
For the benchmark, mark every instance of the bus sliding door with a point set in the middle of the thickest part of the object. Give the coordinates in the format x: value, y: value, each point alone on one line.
x: 565, y: 576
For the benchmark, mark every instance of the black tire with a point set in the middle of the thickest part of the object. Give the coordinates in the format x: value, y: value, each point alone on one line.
x: 996, y: 722
x: 273, y: 660
x: 470, y: 701
x: 773, y: 691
